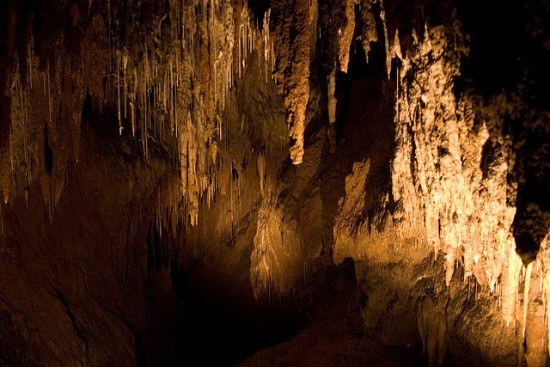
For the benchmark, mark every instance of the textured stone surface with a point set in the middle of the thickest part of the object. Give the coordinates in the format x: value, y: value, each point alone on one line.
x: 194, y: 175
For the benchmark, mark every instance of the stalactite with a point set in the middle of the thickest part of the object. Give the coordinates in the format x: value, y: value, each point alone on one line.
x: 49, y: 89
x: 345, y: 35
x: 1, y: 221
x: 451, y: 165
x: 292, y: 62
x: 332, y: 110
x: 152, y: 83
x: 261, y: 171
x: 447, y: 167
x: 386, y: 38
x: 197, y: 132
x: 368, y: 33
x: 174, y: 73
x: 119, y: 102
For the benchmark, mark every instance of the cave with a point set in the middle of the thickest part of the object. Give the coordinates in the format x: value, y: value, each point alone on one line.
x: 274, y: 183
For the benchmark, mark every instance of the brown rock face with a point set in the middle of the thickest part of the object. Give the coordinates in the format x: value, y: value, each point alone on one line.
x: 274, y: 183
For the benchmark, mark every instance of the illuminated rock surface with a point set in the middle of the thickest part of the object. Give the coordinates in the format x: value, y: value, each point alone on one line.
x: 278, y: 183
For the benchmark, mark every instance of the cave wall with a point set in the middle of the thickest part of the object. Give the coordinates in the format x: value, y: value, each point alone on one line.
x: 159, y: 158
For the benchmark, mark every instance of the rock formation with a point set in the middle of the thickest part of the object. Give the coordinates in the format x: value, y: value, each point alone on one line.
x: 224, y: 181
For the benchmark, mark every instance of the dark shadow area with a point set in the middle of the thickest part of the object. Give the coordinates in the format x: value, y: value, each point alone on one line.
x: 335, y: 335
x: 509, y: 54
x: 499, y: 45
x: 223, y: 325
x: 259, y: 7
x: 532, y: 220
x: 219, y: 322
x: 364, y: 130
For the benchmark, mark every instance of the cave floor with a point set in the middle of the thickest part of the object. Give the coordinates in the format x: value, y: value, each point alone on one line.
x: 336, y: 336
x: 329, y: 345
